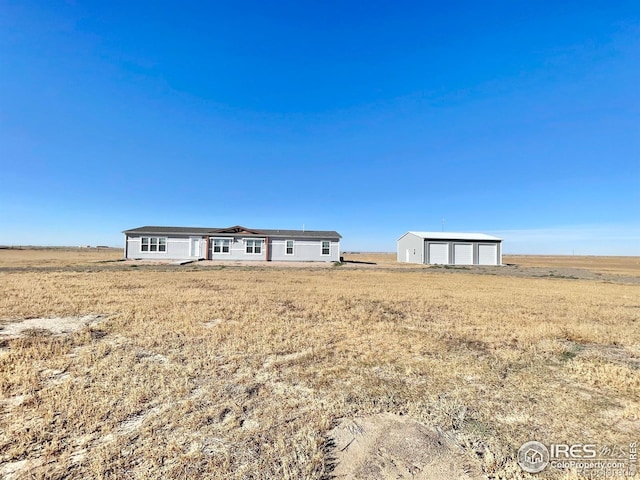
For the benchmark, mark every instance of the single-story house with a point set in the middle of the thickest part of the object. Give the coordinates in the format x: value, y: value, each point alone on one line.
x: 449, y: 248
x: 233, y: 243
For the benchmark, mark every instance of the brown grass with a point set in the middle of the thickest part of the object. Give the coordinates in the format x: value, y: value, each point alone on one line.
x: 61, y: 257
x: 613, y: 265
x: 241, y: 372
x: 608, y: 265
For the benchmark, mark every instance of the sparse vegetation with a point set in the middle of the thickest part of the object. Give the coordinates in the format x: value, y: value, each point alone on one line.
x: 241, y: 372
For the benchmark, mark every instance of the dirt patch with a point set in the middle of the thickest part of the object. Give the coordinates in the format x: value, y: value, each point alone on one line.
x: 55, y: 325
x: 389, y: 446
x: 618, y: 355
x: 14, y: 470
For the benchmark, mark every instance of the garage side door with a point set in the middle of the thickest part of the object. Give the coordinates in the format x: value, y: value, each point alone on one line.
x: 463, y: 254
x: 488, y: 254
x: 438, y: 253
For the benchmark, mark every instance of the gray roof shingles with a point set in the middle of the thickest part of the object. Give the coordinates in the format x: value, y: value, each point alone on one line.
x: 155, y: 230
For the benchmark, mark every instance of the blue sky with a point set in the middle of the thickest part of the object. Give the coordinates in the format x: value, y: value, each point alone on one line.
x: 514, y: 118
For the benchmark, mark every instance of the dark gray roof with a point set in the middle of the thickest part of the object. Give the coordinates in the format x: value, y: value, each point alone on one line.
x: 169, y: 230
x: 301, y: 233
x: 232, y: 231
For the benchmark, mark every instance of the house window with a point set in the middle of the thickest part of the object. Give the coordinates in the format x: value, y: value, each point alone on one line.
x: 288, y: 247
x: 326, y: 247
x: 254, y: 246
x: 221, y: 245
x: 153, y: 244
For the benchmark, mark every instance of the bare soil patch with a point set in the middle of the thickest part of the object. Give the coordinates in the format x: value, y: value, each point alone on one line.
x: 54, y: 325
x: 388, y: 446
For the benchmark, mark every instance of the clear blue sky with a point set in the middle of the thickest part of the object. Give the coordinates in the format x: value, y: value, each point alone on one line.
x: 514, y: 118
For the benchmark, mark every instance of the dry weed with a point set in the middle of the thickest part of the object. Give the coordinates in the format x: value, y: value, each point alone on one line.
x: 242, y: 372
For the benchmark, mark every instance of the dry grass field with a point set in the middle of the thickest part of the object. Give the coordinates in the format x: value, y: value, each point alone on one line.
x: 244, y: 372
x: 56, y: 257
x: 613, y: 265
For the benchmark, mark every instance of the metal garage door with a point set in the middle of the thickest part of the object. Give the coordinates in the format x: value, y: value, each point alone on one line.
x: 463, y: 254
x: 488, y: 254
x: 438, y: 253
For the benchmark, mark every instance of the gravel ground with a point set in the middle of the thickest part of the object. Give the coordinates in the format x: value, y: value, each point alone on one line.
x: 506, y: 270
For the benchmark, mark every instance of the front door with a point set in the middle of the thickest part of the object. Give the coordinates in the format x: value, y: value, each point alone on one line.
x: 195, y: 247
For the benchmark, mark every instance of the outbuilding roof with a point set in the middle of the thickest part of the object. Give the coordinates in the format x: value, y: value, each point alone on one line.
x: 455, y: 236
x: 232, y: 231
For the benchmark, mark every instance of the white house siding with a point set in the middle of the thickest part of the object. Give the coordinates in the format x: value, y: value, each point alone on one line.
x: 237, y: 250
x: 180, y: 244
x: 178, y: 248
x: 304, y: 250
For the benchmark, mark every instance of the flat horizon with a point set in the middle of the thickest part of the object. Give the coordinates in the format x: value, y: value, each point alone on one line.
x: 350, y: 252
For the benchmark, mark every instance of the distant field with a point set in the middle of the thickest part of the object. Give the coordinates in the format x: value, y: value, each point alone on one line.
x: 237, y: 372
x: 63, y: 256
x: 67, y: 256
x: 615, y: 265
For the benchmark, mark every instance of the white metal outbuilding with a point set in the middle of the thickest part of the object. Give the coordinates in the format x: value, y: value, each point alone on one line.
x: 450, y: 248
